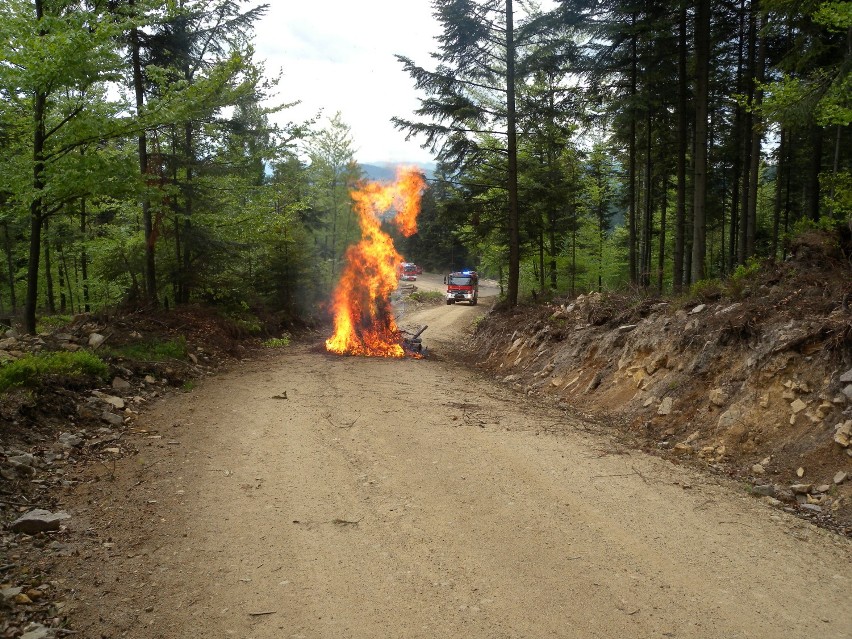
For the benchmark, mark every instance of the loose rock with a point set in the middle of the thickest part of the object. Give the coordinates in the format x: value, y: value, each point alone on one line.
x: 718, y: 397
x: 843, y: 433
x: 69, y: 440
x: 38, y: 520
x: 801, y: 489
x: 96, y: 339
x: 765, y: 490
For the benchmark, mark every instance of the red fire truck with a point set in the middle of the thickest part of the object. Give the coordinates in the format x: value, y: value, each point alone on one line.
x: 407, y: 271
x: 463, y: 286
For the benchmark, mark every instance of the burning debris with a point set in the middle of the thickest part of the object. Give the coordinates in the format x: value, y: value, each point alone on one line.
x: 364, y: 323
x: 411, y: 342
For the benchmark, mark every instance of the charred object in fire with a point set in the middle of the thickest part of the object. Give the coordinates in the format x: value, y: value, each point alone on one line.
x: 413, y: 344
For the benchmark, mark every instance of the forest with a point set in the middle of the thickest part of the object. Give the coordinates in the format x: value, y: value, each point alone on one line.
x: 585, y: 145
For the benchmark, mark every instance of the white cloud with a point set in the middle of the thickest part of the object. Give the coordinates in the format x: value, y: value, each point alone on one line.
x: 338, y: 55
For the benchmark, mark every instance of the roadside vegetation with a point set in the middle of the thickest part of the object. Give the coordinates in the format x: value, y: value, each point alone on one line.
x: 427, y: 297
x: 153, y: 350
x: 698, y: 142
x: 31, y: 370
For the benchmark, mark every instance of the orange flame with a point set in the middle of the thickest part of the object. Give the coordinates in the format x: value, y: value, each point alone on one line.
x: 363, y: 319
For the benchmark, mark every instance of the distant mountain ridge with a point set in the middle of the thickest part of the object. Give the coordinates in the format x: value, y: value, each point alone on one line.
x: 386, y: 171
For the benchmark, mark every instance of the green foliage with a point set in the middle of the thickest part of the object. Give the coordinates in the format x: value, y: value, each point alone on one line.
x: 240, y: 221
x: 52, y: 322
x: 245, y: 323
x: 706, y: 290
x: 152, y: 350
x: 477, y: 323
x: 277, y: 342
x: 30, y: 369
x: 747, y: 270
x: 805, y: 225
x: 837, y: 194
x: 427, y: 297
x: 742, y: 276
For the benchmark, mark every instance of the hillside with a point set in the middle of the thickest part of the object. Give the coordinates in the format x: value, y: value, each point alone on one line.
x: 752, y: 379
x: 386, y: 172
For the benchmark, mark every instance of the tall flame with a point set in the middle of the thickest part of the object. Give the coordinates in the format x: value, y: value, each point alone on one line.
x: 363, y: 319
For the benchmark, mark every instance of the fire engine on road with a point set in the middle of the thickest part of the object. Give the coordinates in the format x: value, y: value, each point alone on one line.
x: 407, y: 272
x: 463, y: 286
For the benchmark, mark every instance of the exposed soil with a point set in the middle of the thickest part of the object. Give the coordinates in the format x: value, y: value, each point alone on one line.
x: 260, y: 493
x: 752, y: 381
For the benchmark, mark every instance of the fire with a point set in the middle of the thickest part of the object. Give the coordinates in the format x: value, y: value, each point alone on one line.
x: 363, y: 319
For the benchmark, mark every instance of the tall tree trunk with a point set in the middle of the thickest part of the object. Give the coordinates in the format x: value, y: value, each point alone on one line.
x: 142, y: 143
x: 50, y: 297
x: 177, y: 273
x: 552, y: 246
x: 737, y: 143
x: 551, y: 210
x: 573, y: 260
x: 512, y: 150
x: 60, y: 269
x: 702, y: 79
x: 10, y: 265
x: 779, y: 191
x: 601, y: 240
x: 814, y: 171
x: 661, y: 257
x: 177, y: 283
x: 67, y: 298
x: 84, y: 257
x: 631, y: 190
x: 787, y: 196
x: 36, y: 212
x: 836, y: 164
x: 756, y: 136
x: 746, y: 139
x: 682, y: 148
x: 647, y: 222
x: 187, y: 222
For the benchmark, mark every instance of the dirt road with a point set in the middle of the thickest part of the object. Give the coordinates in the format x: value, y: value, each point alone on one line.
x: 314, y: 496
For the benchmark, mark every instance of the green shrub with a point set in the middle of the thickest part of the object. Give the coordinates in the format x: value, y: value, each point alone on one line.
x: 749, y: 269
x: 30, y: 369
x: 427, y: 296
x: 742, y: 275
x: 806, y: 225
x: 706, y: 289
x: 152, y: 351
x: 248, y: 324
x: 277, y: 342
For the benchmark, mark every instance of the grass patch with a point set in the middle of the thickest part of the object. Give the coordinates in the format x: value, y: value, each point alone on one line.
x: 30, y: 369
x: 152, y: 351
x: 427, y: 296
x: 277, y: 342
x: 52, y: 322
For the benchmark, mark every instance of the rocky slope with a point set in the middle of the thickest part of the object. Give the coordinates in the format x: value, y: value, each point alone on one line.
x: 752, y: 379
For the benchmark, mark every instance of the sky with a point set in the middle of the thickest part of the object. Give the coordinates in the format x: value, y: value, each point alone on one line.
x: 338, y: 55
